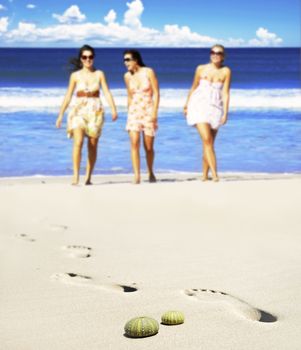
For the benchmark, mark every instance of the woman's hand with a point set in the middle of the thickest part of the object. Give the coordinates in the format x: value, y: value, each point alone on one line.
x: 154, y: 120
x: 185, y: 110
x: 58, y: 122
x: 114, y: 116
x: 224, y: 120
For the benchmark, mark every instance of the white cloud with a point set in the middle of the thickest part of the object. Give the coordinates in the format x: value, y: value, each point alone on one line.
x: 2, y: 7
x: 25, y: 30
x: 131, y: 32
x: 3, y: 24
x: 111, y: 34
x: 110, y: 17
x: 183, y: 36
x: 133, y: 14
x: 71, y: 15
x: 31, y: 6
x: 265, y: 38
x: 233, y: 42
x: 26, y: 27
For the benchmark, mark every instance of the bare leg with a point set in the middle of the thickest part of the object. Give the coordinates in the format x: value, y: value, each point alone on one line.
x: 135, y: 154
x: 205, y: 168
x: 207, y: 138
x: 148, y: 142
x: 205, y: 163
x: 92, y: 156
x: 78, y: 136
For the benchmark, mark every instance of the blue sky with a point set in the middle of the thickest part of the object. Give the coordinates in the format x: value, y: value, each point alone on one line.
x: 165, y: 23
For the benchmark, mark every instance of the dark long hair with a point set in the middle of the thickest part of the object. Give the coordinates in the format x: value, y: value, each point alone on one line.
x: 136, y: 56
x: 75, y: 62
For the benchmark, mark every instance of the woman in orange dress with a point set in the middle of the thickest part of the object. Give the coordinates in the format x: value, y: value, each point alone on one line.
x: 86, y: 117
x: 143, y: 102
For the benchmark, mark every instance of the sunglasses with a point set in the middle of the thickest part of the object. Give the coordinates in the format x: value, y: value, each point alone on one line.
x: 218, y: 53
x: 84, y: 57
x: 127, y: 59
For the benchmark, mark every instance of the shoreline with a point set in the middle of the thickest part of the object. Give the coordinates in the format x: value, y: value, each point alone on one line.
x: 103, y: 179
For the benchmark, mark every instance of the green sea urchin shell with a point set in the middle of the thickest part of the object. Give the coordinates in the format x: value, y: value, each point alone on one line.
x: 139, y: 327
x: 172, y: 317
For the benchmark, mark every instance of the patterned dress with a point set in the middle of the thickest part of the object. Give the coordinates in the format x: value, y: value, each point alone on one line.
x: 87, y: 112
x: 206, y: 104
x: 141, y: 106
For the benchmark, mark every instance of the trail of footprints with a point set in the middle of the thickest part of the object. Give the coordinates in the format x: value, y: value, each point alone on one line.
x: 79, y: 251
x: 233, y: 304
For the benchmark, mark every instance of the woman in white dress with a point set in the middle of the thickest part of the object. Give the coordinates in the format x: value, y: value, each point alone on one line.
x: 207, y: 105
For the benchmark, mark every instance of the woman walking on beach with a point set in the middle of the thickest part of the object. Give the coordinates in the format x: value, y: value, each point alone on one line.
x: 86, y: 117
x: 208, y: 104
x: 143, y: 101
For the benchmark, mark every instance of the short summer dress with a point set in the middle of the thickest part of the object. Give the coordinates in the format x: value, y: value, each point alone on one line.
x: 87, y: 112
x: 206, y: 104
x: 141, y: 107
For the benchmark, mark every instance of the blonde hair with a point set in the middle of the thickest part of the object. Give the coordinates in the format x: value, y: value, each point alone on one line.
x: 220, y: 47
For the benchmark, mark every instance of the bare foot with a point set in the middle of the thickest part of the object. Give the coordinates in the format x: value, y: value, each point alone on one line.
x: 136, y: 180
x: 75, y: 181
x: 215, y: 179
x: 152, y: 178
x: 88, y: 182
x: 205, y: 178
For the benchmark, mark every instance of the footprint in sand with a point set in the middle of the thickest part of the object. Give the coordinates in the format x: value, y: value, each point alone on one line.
x: 25, y: 237
x: 87, y: 281
x: 58, y: 228
x: 77, y: 251
x: 236, y: 305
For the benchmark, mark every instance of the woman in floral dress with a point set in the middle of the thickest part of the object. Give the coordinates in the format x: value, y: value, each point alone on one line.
x: 143, y: 101
x: 86, y: 117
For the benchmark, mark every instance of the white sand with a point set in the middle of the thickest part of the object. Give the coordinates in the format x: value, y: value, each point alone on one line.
x: 171, y: 241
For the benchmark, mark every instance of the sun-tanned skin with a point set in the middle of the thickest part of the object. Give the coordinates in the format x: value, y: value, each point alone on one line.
x: 89, y: 74
x: 135, y: 74
x: 216, y: 72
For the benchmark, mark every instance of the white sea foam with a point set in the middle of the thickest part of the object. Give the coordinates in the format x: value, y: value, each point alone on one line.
x: 172, y: 100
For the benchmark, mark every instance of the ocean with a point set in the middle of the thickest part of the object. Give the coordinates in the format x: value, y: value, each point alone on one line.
x: 263, y: 133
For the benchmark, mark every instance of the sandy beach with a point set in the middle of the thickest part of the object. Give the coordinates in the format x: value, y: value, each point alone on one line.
x: 78, y: 262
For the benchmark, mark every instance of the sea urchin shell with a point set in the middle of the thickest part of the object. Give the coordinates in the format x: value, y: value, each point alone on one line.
x: 172, y: 317
x: 139, y: 327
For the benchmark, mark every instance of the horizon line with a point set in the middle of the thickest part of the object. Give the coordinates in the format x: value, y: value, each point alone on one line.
x: 148, y: 47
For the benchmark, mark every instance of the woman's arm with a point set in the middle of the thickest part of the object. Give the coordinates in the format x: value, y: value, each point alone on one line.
x: 67, y: 99
x: 226, y: 95
x: 195, y: 84
x: 156, y: 93
x: 108, y: 95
